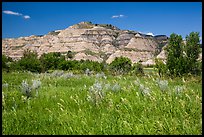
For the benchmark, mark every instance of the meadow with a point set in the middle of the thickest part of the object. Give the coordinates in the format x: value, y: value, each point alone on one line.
x: 64, y: 103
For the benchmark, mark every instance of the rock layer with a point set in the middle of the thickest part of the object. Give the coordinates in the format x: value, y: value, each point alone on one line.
x: 95, y: 42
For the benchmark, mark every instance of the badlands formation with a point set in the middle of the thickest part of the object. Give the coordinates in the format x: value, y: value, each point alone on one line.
x: 97, y: 42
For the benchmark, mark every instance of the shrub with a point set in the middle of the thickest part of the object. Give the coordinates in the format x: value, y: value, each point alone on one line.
x: 66, y: 65
x: 29, y: 62
x: 121, y: 65
x: 96, y: 93
x: 137, y: 69
x: 51, y: 60
x: 28, y: 90
x: 160, y: 67
x: 4, y: 61
x: 163, y: 84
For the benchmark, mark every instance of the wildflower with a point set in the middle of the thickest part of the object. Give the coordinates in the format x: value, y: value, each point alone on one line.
x: 137, y: 82
x: 26, y: 89
x: 96, y: 93
x: 178, y: 89
x: 36, y: 84
x: 57, y: 73
x: 163, y: 84
x: 101, y: 75
x: 88, y: 72
x: 68, y: 75
x: 5, y: 85
x: 116, y: 87
x: 107, y: 87
x: 144, y: 90
x: 14, y: 104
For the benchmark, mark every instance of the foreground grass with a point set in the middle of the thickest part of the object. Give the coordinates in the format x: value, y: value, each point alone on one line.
x: 62, y: 106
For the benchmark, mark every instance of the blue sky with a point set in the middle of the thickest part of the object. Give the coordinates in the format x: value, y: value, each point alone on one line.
x: 160, y: 18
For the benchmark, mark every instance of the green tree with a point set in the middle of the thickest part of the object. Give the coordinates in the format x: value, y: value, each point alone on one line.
x: 4, y: 61
x: 192, y: 50
x: 66, y: 65
x: 175, y: 55
x: 161, y: 67
x: 137, y: 68
x: 29, y: 62
x: 7, y: 63
x: 121, y: 65
x: 51, y: 60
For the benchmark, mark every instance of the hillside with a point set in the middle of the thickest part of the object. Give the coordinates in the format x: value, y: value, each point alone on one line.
x: 86, y: 40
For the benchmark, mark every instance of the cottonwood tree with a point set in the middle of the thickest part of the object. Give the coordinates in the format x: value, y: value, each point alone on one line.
x: 192, y: 50
x: 174, y: 54
x: 183, y: 58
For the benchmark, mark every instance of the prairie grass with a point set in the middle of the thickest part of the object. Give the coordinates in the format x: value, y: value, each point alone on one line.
x: 62, y: 107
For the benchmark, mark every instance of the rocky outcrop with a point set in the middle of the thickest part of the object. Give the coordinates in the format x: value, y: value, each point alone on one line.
x: 132, y: 55
x: 103, y: 41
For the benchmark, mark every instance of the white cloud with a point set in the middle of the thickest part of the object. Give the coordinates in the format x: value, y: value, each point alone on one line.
x: 121, y: 16
x: 16, y: 14
x: 150, y: 33
x: 12, y: 13
x: 147, y: 33
x: 117, y: 16
x: 26, y: 17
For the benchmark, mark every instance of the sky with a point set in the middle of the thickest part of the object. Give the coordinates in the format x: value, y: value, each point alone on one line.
x: 21, y: 19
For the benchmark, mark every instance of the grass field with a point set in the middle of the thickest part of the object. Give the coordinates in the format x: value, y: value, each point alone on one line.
x: 69, y: 103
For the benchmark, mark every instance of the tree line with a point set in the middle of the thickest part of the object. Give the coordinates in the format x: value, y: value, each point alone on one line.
x: 182, y: 58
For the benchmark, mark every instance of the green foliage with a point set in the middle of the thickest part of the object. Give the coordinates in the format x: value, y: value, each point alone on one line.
x: 51, y: 60
x: 174, y: 54
x: 4, y: 62
x: 161, y: 67
x: 81, y: 65
x: 121, y: 65
x: 66, y: 65
x: 182, y: 59
x: 29, y: 62
x: 192, y: 50
x: 137, y: 69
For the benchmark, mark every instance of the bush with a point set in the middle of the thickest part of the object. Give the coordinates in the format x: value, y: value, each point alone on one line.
x: 160, y: 67
x: 121, y: 65
x: 66, y: 65
x: 51, y: 60
x: 29, y: 62
x: 137, y: 69
x: 4, y: 62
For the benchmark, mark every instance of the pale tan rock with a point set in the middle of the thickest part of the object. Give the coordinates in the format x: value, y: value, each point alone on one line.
x: 83, y: 56
x: 148, y: 62
x: 141, y: 44
x: 132, y: 55
x: 83, y: 37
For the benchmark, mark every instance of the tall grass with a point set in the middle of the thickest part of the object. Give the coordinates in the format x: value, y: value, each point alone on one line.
x: 63, y: 107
